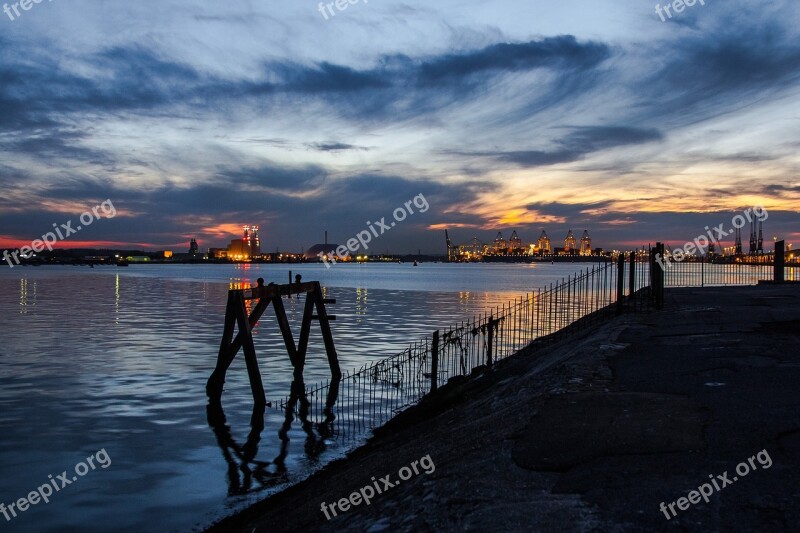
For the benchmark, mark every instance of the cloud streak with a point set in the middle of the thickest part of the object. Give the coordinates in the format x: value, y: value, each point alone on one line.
x: 495, y: 126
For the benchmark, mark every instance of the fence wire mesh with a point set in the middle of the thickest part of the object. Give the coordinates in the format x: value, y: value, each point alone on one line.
x: 368, y: 396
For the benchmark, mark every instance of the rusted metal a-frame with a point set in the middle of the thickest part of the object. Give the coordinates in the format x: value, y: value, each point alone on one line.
x: 236, y: 316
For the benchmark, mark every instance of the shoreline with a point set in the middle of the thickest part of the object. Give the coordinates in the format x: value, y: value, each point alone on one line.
x: 527, y: 445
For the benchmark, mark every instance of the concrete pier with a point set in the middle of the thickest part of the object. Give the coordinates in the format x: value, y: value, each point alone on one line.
x: 594, y: 432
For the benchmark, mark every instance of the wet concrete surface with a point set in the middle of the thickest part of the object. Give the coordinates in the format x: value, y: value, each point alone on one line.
x: 593, y: 433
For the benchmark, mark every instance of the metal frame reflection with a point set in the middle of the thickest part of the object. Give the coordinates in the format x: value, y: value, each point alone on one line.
x: 246, y: 474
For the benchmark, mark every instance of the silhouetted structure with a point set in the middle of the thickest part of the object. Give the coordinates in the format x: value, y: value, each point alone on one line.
x: 738, y: 245
x: 236, y: 315
x: 318, y: 251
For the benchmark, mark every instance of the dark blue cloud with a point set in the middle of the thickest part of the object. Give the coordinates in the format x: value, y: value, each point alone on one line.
x: 709, y: 66
x: 273, y: 176
x: 136, y: 78
x: 559, y: 53
x: 579, y: 143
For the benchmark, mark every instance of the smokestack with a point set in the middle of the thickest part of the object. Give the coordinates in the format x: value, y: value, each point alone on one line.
x: 326, y: 237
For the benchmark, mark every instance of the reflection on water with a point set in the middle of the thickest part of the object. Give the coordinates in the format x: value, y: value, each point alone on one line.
x: 117, y: 360
x: 245, y: 473
x: 26, y: 299
x: 361, y: 304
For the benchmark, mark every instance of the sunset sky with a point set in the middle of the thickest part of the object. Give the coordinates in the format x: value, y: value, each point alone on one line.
x: 195, y: 118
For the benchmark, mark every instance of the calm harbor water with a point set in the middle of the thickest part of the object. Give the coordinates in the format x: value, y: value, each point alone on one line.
x: 117, y: 359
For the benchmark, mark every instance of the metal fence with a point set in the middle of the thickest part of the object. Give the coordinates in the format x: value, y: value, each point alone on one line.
x: 705, y: 274
x: 368, y: 396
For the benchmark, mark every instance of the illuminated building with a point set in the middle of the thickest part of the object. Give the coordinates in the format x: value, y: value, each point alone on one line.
x: 544, y: 243
x: 570, y: 244
x: 515, y: 243
x: 586, y: 243
x: 251, y: 240
x: 514, y: 249
x: 500, y: 246
x: 246, y: 248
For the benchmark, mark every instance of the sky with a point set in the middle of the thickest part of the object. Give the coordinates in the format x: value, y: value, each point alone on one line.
x: 194, y: 118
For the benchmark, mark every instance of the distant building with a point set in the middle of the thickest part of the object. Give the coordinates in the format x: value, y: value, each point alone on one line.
x: 501, y: 249
x: 586, y: 243
x: 318, y: 250
x: 544, y: 244
x: 218, y: 253
x: 500, y: 246
x: 570, y: 244
x: 237, y: 250
x: 193, y: 248
x: 252, y: 240
x: 246, y: 248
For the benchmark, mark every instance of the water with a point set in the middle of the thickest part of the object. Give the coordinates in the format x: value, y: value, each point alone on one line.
x: 117, y: 359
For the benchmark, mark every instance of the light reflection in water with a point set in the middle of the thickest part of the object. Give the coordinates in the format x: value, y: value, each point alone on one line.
x: 23, y: 296
x: 27, y: 295
x: 361, y: 304
x: 116, y: 300
x: 138, y: 389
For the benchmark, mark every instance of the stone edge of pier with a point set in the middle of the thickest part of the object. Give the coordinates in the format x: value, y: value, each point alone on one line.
x: 594, y: 431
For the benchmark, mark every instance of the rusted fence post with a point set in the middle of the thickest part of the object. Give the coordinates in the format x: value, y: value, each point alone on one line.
x: 657, y: 274
x: 435, y: 361
x: 620, y: 282
x: 632, y: 276
x: 490, y: 342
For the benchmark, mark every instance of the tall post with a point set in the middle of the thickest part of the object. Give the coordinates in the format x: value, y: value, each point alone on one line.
x: 435, y: 361
x: 325, y: 326
x: 286, y: 332
x: 249, y: 349
x: 305, y: 333
x: 217, y: 379
x: 702, y: 272
x: 658, y: 275
x: 780, y: 261
x: 632, y: 275
x: 490, y: 342
x: 620, y: 282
